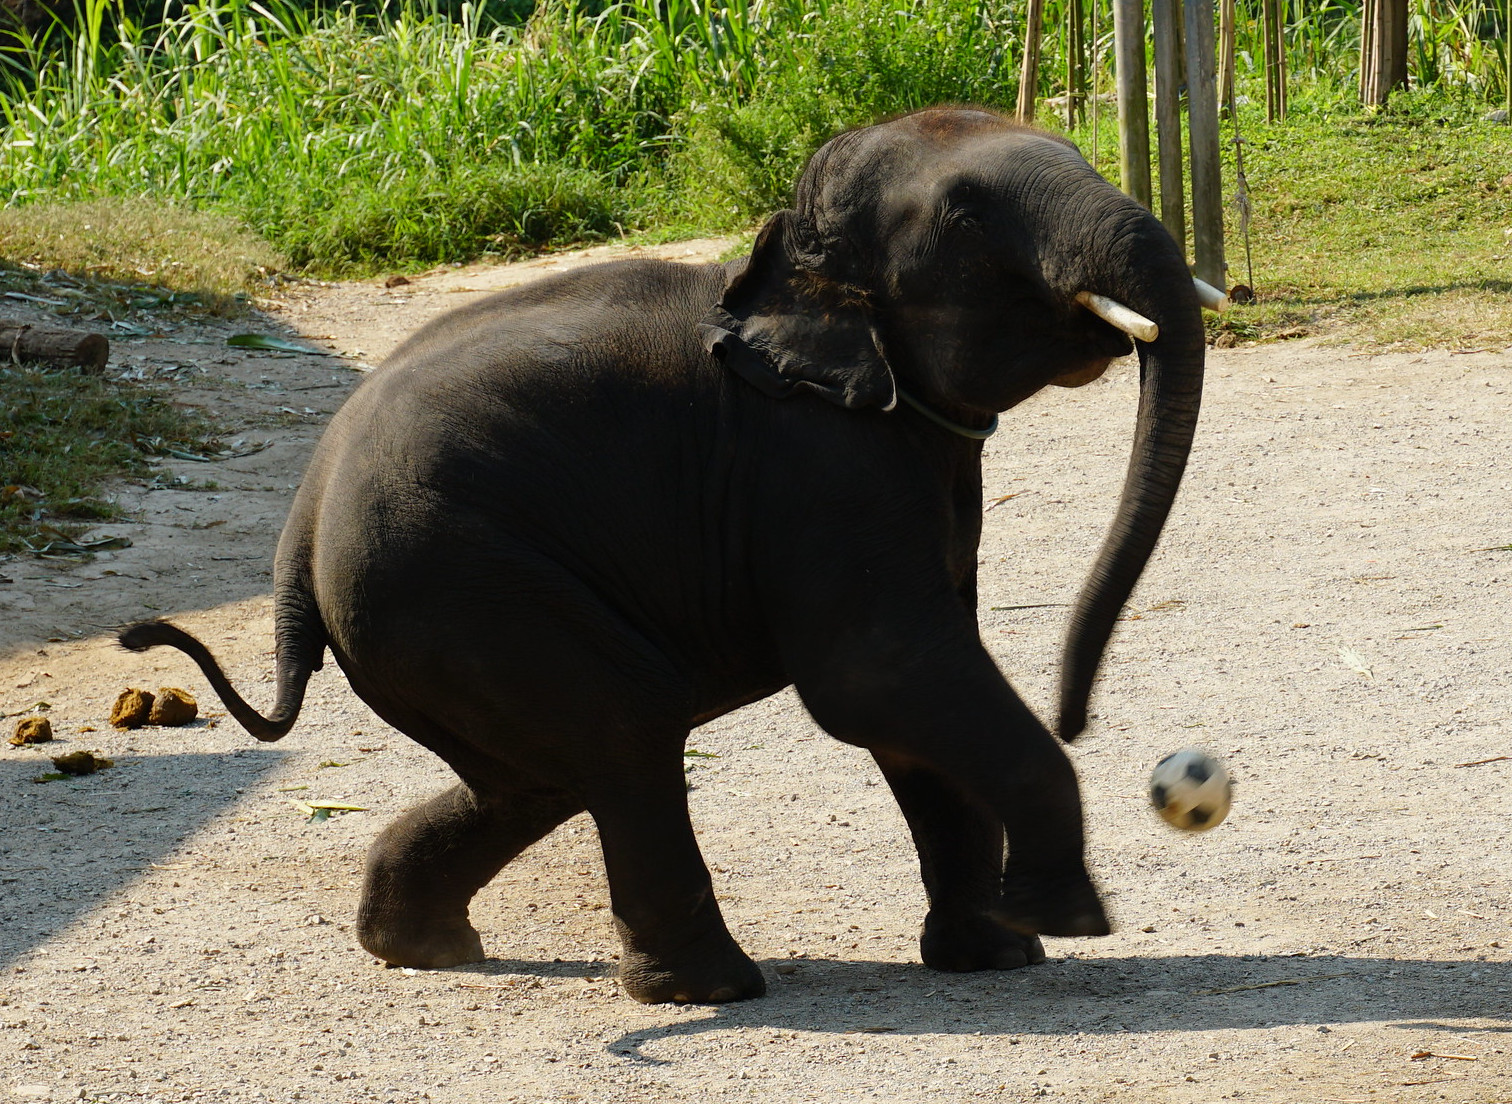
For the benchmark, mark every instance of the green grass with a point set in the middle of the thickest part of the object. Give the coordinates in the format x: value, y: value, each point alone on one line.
x: 340, y: 139
x: 64, y: 436
x: 1391, y: 229
x: 130, y: 242
x: 1394, y: 228
x: 351, y: 142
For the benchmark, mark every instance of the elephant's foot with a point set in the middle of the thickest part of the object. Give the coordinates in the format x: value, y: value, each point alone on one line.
x: 711, y: 970
x: 418, y: 943
x: 1035, y: 903
x: 965, y: 942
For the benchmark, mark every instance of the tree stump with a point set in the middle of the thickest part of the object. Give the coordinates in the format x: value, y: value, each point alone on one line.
x: 55, y: 348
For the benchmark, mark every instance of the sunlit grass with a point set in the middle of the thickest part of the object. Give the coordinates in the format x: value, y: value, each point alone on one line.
x: 1394, y: 228
x: 135, y: 240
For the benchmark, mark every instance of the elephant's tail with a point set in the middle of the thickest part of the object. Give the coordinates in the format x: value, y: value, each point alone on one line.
x: 301, y: 645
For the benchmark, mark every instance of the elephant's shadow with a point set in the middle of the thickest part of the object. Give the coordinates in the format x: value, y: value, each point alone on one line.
x: 1095, y: 996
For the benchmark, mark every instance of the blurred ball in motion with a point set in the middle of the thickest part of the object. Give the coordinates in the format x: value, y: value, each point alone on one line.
x: 1191, y: 790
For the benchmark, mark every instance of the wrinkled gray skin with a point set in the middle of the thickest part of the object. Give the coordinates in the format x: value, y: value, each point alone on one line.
x: 563, y: 526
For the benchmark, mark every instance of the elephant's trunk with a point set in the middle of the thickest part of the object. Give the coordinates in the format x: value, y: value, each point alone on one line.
x: 1170, y: 396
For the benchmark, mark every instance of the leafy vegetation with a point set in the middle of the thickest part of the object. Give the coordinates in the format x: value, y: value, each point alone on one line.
x: 354, y: 139
x: 350, y: 140
x: 63, y: 435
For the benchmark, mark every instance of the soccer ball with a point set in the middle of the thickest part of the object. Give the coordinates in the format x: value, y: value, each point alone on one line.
x: 1191, y: 790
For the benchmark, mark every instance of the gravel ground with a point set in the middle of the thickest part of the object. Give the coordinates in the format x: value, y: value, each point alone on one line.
x: 1328, y: 614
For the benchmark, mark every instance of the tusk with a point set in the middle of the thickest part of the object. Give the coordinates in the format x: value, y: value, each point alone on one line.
x: 1116, y: 314
x: 1210, y: 297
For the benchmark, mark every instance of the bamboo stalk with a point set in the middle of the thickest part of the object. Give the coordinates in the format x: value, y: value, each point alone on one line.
x: 1202, y: 123
x: 1168, y: 119
x: 1029, y: 72
x: 1281, y: 57
x: 1092, y: 92
x: 1367, y: 50
x: 1273, y: 16
x: 1075, y: 63
x: 1268, y: 39
x: 1133, y: 102
x: 1226, y: 36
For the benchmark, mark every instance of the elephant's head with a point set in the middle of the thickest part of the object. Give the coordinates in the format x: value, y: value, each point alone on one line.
x: 960, y: 262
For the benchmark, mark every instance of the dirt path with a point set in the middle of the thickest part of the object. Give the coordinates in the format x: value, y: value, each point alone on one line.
x: 1328, y: 613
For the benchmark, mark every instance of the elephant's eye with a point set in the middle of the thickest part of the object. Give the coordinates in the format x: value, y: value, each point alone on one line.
x: 965, y: 217
x: 961, y: 208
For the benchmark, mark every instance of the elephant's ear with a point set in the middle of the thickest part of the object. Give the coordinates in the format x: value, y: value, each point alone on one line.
x: 785, y: 327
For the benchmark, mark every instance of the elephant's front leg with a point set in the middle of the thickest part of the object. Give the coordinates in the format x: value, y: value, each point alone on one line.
x: 675, y: 946
x: 929, y: 695
x: 960, y: 845
x: 426, y: 866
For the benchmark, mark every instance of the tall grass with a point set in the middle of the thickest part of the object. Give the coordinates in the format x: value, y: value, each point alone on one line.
x: 337, y: 137
x: 352, y: 139
x: 347, y: 139
x: 1451, y: 43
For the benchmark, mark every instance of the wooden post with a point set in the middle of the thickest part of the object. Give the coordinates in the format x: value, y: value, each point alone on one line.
x: 1202, y: 124
x: 1076, y: 69
x: 1133, y: 102
x: 1370, y: 50
x: 1168, y: 119
x: 1273, y: 19
x: 1383, y: 50
x: 1226, y: 34
x: 1281, y: 57
x: 1029, y: 71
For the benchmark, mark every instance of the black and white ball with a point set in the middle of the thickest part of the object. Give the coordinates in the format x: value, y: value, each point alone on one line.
x: 1191, y: 790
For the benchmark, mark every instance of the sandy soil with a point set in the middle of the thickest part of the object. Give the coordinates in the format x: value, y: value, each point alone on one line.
x: 1328, y: 613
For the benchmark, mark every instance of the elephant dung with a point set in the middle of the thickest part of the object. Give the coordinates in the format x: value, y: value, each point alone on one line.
x: 131, y: 709
x: 32, y: 730
x: 173, y: 707
x: 81, y: 762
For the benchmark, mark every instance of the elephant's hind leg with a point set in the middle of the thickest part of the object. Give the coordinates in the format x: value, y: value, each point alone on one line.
x: 425, y: 867
x: 675, y: 946
x: 960, y: 845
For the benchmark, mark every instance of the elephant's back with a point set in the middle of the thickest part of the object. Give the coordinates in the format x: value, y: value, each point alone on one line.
x: 567, y: 371
x: 631, y: 315
x: 572, y: 433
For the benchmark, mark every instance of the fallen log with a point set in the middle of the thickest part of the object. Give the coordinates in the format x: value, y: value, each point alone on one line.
x: 55, y: 348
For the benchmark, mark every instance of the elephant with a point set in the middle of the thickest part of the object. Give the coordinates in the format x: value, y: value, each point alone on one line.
x: 561, y: 527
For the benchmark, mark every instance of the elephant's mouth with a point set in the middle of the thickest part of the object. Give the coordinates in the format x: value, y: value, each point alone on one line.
x: 1128, y: 322
x: 1080, y: 377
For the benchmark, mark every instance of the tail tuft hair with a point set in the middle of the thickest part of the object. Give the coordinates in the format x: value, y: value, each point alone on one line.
x: 147, y: 634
